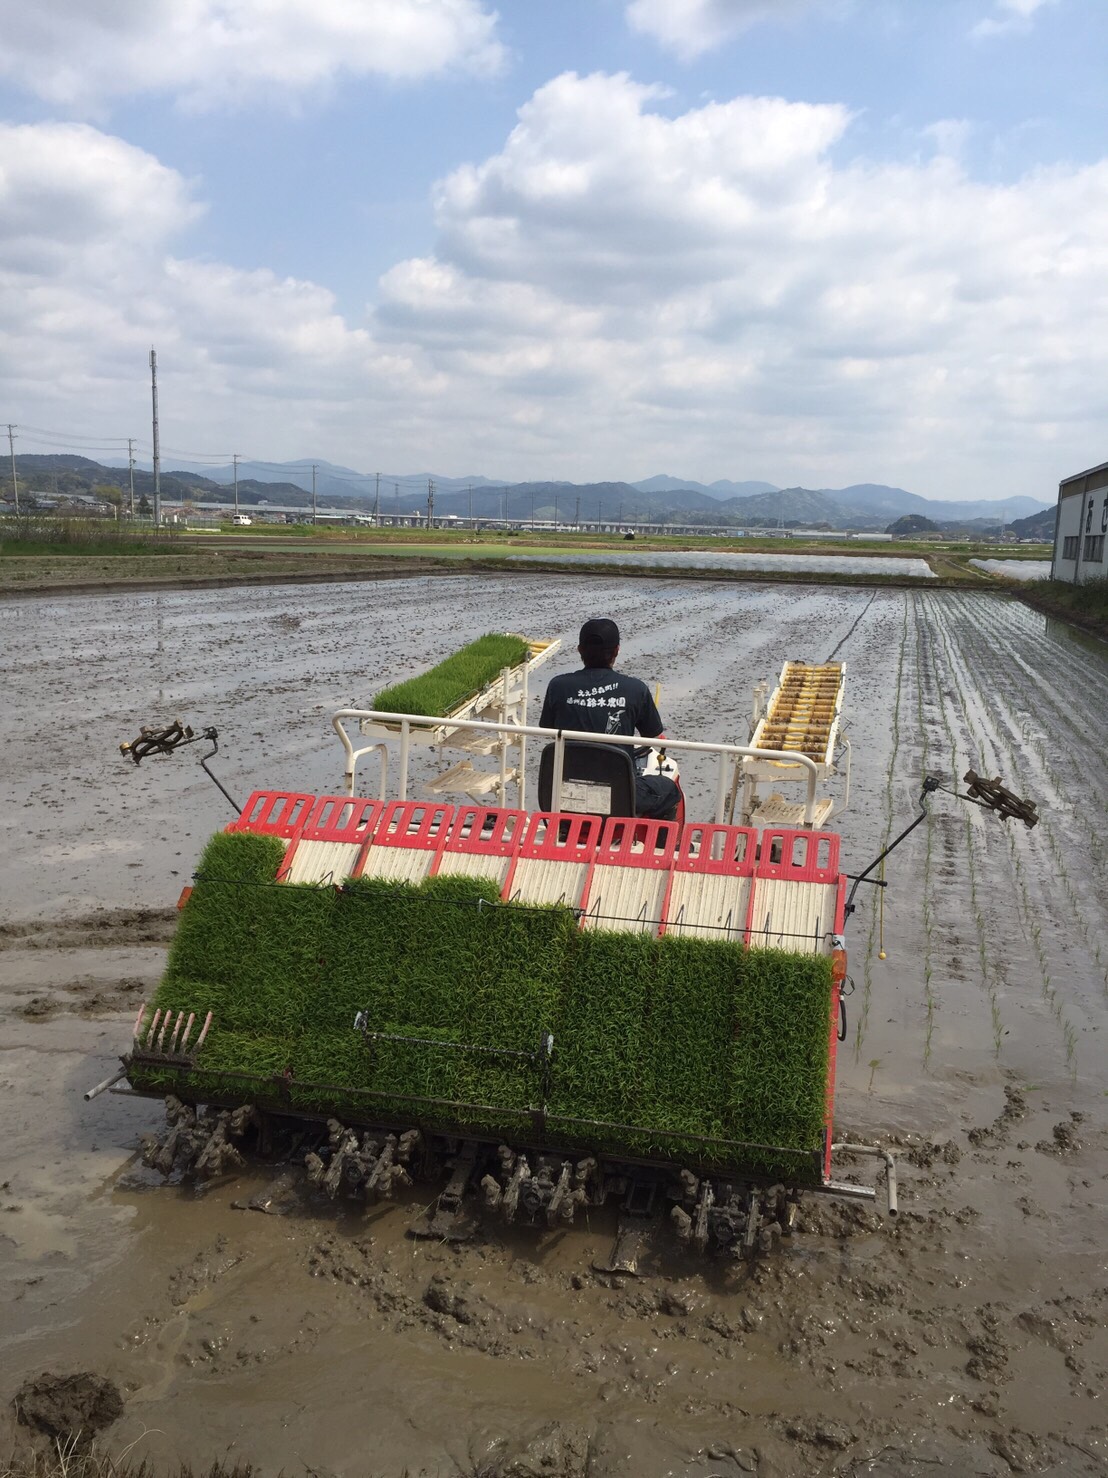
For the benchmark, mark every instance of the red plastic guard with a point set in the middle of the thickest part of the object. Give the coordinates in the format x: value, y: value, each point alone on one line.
x: 561, y: 836
x: 728, y: 851
x: 801, y: 856
x: 279, y: 813
x: 421, y: 824
x: 341, y: 818
x: 487, y: 831
x: 655, y: 841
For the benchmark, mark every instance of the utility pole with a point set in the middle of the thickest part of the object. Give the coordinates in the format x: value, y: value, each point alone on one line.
x: 396, y: 490
x: 577, y: 514
x: 430, y: 502
x: 505, y: 507
x: 470, y: 492
x: 532, y: 513
x: 157, y: 443
x: 377, y: 501
x: 315, y: 509
x: 235, y: 465
x: 555, y: 512
x: 131, y: 470
x: 15, y: 479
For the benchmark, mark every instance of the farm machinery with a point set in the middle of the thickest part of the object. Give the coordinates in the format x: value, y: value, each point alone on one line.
x: 539, y: 1009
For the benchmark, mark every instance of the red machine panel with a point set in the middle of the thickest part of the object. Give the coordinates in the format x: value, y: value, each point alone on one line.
x: 342, y: 818
x: 726, y: 851
x: 279, y: 813
x: 487, y: 831
x: 554, y: 836
x: 632, y: 841
x: 334, y: 818
x: 799, y: 856
x: 420, y: 824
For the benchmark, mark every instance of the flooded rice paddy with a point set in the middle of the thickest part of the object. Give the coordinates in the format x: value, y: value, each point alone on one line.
x: 968, y: 1336
x: 701, y: 559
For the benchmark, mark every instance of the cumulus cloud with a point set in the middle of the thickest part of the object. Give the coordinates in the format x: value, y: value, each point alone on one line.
x: 211, y: 51
x: 717, y: 279
x: 615, y: 291
x: 88, y: 281
x: 1009, y: 16
x: 691, y: 27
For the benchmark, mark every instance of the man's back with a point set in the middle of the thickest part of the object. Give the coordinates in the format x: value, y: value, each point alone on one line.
x: 599, y: 700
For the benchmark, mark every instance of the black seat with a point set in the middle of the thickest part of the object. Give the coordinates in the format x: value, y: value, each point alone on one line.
x: 597, y: 779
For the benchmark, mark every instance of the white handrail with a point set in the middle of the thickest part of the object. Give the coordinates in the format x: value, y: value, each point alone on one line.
x: 408, y: 721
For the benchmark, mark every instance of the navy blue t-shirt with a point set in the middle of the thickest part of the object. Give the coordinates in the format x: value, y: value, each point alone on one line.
x: 598, y: 700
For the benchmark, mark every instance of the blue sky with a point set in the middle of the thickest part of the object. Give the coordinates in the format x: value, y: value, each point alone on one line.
x: 811, y: 241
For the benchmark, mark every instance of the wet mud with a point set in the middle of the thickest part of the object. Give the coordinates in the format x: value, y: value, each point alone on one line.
x: 967, y: 1336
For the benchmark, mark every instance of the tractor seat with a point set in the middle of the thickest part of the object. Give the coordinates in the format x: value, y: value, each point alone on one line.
x: 597, y: 779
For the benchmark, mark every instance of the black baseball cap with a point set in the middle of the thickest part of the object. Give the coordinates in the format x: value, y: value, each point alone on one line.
x: 599, y: 632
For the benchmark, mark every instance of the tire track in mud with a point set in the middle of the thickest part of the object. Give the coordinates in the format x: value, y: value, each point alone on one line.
x: 999, y: 749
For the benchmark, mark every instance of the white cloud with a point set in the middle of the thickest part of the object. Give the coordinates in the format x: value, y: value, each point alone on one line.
x: 714, y: 288
x: 88, y: 282
x: 78, y: 54
x: 613, y: 292
x: 1010, y: 16
x: 691, y: 27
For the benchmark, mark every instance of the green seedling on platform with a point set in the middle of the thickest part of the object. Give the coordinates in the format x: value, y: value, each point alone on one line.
x: 440, y: 691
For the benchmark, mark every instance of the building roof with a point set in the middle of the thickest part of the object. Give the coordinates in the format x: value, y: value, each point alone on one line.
x: 1100, y: 474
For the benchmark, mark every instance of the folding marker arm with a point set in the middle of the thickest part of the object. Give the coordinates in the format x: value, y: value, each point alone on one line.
x: 176, y: 736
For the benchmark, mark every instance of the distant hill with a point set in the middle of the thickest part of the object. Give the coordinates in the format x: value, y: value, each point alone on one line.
x: 795, y: 506
x: 663, y: 483
x: 894, y: 501
x: 1038, y: 526
x: 912, y: 523
x: 662, y: 499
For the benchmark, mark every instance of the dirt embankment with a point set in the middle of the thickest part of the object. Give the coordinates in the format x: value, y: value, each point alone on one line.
x: 213, y: 569
x: 205, y: 569
x: 1062, y: 604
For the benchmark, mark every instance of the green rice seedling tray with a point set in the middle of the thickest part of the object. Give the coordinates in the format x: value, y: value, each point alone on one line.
x: 457, y: 678
x: 428, y: 1006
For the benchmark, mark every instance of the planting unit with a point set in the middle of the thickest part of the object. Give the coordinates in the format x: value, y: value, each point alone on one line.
x: 553, y: 1009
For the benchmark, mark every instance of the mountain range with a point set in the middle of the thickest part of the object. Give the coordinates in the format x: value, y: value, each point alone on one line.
x: 658, y: 499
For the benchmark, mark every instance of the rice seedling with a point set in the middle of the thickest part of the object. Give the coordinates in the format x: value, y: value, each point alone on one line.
x: 867, y: 963
x: 458, y: 677
x: 684, y: 1039
x: 778, y: 1076
x: 255, y: 940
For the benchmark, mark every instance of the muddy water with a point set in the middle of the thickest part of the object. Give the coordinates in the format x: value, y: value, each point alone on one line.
x: 968, y: 1336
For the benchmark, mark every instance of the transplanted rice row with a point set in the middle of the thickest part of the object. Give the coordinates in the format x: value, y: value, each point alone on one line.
x: 683, y: 1040
x: 871, y: 940
x: 927, y: 886
x: 1028, y: 916
x: 988, y: 967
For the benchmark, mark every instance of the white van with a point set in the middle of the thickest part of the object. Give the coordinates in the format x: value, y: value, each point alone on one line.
x: 241, y: 520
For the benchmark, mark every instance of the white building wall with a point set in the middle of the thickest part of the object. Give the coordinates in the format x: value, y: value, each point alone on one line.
x: 1081, y: 535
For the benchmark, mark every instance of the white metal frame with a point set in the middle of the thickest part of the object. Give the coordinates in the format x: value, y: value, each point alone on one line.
x: 505, y: 696
x: 728, y: 755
